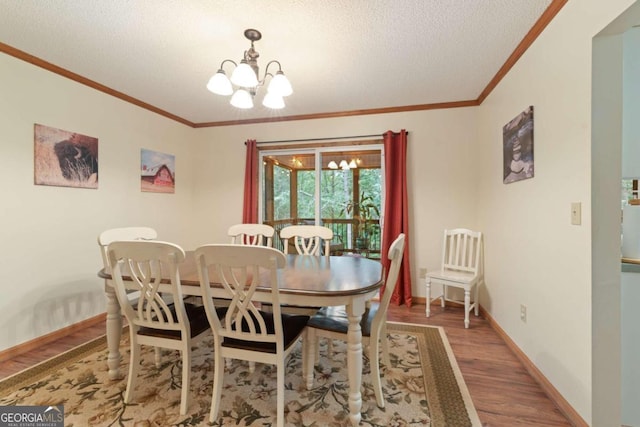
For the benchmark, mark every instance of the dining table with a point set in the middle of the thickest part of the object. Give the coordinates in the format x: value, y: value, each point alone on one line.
x: 306, y: 281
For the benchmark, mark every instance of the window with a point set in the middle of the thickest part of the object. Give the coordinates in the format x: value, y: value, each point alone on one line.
x: 340, y: 187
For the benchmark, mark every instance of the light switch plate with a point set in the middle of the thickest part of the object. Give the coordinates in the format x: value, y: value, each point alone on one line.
x: 576, y: 213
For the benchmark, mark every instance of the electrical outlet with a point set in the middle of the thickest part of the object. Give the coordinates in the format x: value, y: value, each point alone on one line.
x: 523, y: 313
x: 423, y: 273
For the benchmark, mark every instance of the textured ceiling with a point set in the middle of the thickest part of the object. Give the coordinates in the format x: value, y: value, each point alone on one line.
x: 342, y: 55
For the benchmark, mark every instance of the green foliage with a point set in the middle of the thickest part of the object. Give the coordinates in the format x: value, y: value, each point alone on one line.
x: 364, y: 210
x: 336, y: 194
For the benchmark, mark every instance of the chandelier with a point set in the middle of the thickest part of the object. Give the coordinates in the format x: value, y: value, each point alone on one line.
x: 344, y: 165
x: 245, y: 78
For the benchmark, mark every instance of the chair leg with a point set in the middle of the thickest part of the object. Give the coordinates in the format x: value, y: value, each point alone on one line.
x: 158, y: 354
x: 467, y: 302
x: 374, y: 358
x: 280, y: 393
x: 428, y: 290
x: 218, y: 379
x: 443, y: 298
x: 385, y: 346
x: 186, y: 379
x: 134, y: 361
x: 475, y: 299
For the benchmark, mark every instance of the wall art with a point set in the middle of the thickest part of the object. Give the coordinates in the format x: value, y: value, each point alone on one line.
x: 157, y: 172
x: 517, y: 140
x: 64, y: 159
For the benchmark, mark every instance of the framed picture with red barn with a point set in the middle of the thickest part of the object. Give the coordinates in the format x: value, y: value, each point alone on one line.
x: 157, y: 172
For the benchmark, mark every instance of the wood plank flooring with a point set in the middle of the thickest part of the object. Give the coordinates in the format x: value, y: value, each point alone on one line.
x: 502, y: 391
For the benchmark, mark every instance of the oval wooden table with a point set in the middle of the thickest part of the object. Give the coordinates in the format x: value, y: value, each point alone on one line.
x: 305, y: 281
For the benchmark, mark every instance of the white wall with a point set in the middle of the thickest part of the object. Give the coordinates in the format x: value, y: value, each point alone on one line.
x: 442, y: 159
x: 48, y: 234
x: 631, y: 100
x: 534, y: 256
x: 607, y: 109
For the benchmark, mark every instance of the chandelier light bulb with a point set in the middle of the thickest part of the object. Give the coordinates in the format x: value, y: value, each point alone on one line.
x: 332, y: 165
x: 273, y: 101
x: 344, y: 165
x: 244, y: 75
x: 242, y: 99
x: 352, y: 164
x: 280, y: 85
x: 220, y: 84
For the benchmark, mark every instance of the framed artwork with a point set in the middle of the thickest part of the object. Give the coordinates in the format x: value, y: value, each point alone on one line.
x: 64, y: 159
x: 157, y: 172
x: 517, y: 140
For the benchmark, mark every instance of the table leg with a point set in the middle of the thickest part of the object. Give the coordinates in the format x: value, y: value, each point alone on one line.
x: 354, y: 359
x: 310, y: 347
x: 114, y: 331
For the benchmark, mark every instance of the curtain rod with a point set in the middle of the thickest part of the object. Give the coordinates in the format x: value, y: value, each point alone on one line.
x: 320, y: 139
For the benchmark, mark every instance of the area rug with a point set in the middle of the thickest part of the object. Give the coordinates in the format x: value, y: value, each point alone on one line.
x: 423, y: 386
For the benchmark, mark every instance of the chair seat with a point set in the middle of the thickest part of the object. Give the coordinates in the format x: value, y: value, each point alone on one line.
x: 334, y: 319
x: 292, y: 325
x: 198, y: 322
x: 452, y: 276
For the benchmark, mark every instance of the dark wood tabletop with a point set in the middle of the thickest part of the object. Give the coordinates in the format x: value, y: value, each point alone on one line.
x: 308, y: 275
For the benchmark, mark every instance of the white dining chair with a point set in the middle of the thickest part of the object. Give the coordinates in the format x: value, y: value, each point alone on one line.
x: 332, y: 323
x: 122, y: 233
x: 307, y: 239
x: 251, y: 234
x: 245, y: 331
x: 125, y: 233
x: 461, y: 267
x: 144, y: 266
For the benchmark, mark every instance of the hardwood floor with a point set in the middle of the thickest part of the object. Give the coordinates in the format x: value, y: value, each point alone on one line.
x: 502, y: 391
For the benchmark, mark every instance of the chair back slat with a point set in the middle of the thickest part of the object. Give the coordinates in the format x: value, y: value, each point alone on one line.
x: 308, y: 239
x: 146, y: 266
x: 240, y: 270
x: 251, y: 234
x: 462, y: 250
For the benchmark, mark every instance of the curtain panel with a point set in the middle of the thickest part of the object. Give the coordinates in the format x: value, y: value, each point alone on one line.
x: 396, y: 210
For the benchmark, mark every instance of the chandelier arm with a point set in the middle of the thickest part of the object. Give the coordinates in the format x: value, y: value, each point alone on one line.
x: 266, y: 69
x: 228, y: 60
x: 267, y: 73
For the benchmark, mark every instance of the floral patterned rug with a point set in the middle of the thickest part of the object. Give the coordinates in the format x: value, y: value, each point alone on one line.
x: 423, y: 386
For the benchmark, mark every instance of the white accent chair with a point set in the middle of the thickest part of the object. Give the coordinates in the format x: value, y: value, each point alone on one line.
x: 251, y: 234
x: 244, y: 331
x: 332, y: 323
x: 142, y: 266
x: 307, y: 239
x: 462, y: 267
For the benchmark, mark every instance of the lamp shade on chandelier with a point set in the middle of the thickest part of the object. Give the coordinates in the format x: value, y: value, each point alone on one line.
x: 245, y: 79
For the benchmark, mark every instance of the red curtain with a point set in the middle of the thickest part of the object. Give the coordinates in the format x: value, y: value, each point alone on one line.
x: 396, y: 210
x: 250, y: 205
